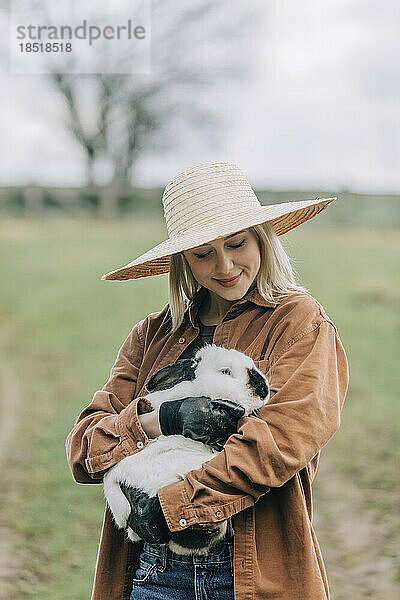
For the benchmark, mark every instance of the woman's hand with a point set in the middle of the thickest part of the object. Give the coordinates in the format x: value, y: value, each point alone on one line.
x: 150, y: 423
x: 200, y: 418
x: 146, y: 518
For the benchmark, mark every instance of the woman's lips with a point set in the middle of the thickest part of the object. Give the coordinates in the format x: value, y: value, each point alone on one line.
x: 229, y: 282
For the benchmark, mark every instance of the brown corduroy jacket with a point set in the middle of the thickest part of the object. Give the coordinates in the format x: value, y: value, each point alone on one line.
x: 262, y: 478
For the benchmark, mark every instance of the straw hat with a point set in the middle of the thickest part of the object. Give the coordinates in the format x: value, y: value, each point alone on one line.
x: 209, y: 201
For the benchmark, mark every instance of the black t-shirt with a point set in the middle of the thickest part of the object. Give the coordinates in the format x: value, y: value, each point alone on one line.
x: 205, y: 337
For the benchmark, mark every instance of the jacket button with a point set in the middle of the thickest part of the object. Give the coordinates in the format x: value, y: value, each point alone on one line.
x: 218, y: 514
x: 139, y: 444
x: 182, y: 522
x: 181, y: 340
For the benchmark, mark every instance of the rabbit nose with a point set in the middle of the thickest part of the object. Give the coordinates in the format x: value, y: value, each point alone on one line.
x: 258, y: 383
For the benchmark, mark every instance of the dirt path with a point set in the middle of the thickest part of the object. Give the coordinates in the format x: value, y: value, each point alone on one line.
x: 10, y: 403
x: 359, y: 553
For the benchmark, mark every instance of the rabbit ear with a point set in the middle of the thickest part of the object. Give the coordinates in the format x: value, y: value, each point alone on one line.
x: 258, y: 383
x: 131, y: 494
x: 167, y: 377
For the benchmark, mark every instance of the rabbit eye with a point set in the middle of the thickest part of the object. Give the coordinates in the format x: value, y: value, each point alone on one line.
x: 226, y: 371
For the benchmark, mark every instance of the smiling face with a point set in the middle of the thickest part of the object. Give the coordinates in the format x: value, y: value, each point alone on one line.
x: 226, y: 266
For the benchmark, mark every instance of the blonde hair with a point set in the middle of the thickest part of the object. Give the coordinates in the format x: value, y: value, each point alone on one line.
x: 275, y: 278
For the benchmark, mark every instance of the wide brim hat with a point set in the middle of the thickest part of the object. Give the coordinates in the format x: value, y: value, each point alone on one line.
x: 209, y: 201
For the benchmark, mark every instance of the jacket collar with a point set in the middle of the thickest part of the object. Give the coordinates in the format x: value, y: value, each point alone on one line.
x: 252, y: 295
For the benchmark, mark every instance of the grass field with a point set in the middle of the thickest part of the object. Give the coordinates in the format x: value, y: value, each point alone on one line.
x: 60, y: 331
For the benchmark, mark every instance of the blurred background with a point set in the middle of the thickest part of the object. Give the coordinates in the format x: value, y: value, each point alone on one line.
x: 305, y: 98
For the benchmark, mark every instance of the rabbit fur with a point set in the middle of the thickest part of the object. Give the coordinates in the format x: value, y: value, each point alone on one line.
x: 215, y: 372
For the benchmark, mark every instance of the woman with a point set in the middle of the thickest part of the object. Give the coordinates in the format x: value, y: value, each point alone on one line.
x: 224, y: 256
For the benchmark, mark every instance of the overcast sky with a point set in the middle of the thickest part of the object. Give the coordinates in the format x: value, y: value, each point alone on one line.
x: 321, y: 109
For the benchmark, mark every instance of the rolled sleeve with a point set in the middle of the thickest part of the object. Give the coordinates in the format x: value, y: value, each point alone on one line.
x: 109, y: 428
x: 128, y: 432
x: 308, y: 381
x: 180, y: 512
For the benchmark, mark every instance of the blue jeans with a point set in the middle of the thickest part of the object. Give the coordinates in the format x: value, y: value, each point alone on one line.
x: 164, y: 575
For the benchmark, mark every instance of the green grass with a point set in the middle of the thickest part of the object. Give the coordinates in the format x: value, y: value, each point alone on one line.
x: 61, y: 328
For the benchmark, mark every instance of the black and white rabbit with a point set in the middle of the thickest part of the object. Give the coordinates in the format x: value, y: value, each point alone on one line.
x: 215, y: 372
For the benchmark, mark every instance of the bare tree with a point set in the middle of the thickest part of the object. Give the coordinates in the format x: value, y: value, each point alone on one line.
x: 115, y: 118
